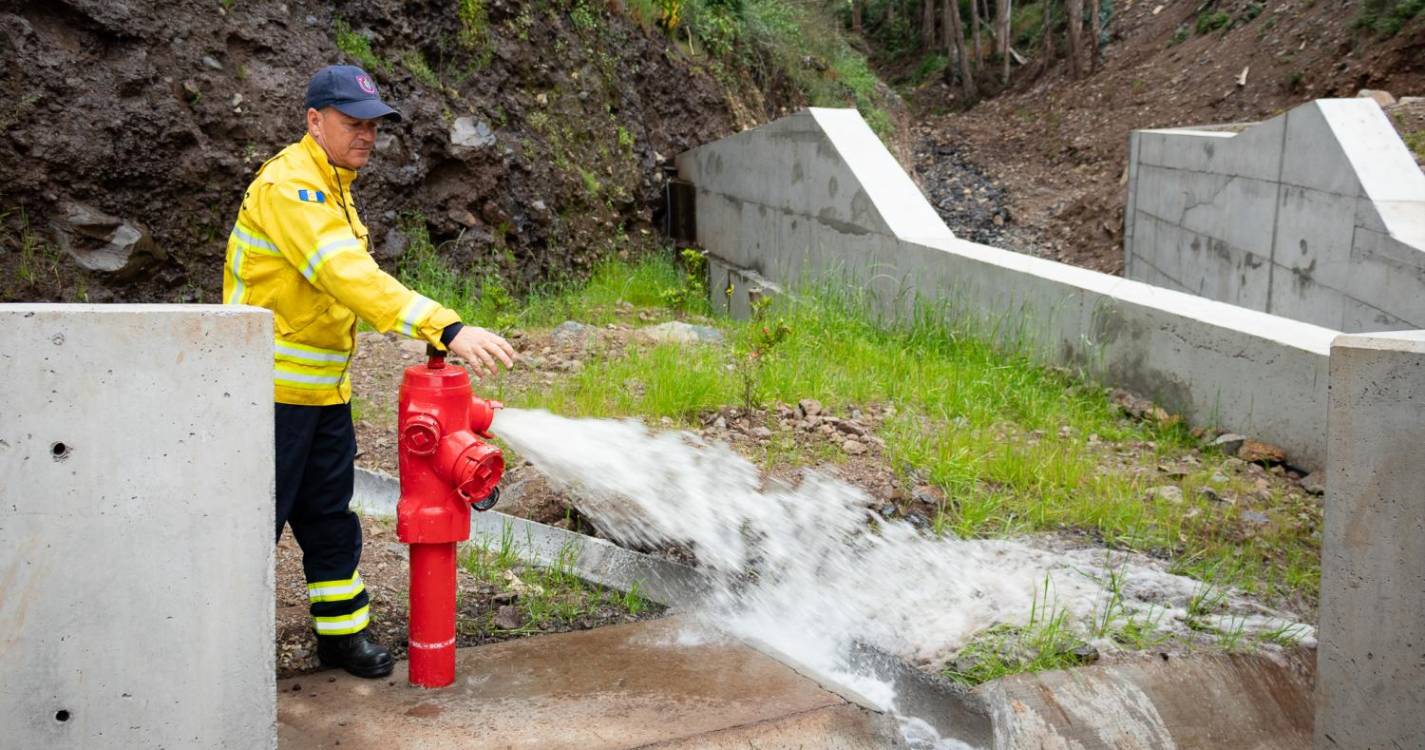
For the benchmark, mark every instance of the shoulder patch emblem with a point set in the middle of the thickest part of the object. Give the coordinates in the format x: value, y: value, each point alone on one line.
x: 312, y: 196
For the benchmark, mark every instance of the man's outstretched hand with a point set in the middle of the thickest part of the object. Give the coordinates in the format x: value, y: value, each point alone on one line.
x: 482, y: 349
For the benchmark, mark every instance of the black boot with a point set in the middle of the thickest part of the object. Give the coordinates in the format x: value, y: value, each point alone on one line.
x: 355, y: 653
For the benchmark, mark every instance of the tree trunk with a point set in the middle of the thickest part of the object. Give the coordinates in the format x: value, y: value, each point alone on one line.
x: 891, y: 14
x: 1075, y: 13
x: 947, y: 28
x: 1097, y: 10
x: 1048, y: 34
x: 927, y: 25
x: 1002, y: 34
x: 955, y: 31
x: 975, y: 29
x: 856, y: 6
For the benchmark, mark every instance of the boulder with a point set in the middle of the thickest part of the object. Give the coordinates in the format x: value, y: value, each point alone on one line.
x: 467, y: 132
x: 103, y: 243
x: 572, y: 333
x: 1383, y: 98
x: 678, y: 332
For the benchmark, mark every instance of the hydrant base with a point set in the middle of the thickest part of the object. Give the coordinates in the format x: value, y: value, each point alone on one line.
x: 432, y: 618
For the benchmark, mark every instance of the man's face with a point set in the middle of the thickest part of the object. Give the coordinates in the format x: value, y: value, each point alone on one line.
x: 347, y: 140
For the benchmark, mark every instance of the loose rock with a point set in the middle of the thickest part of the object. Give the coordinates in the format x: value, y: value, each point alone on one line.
x: 809, y: 407
x: 1381, y: 97
x: 678, y: 332
x: 1257, y: 452
x: 1228, y: 442
x: 1314, y: 483
x: 105, y: 243
x: 1169, y: 493
x: 853, y: 448
x: 571, y: 333
x: 467, y: 132
x: 509, y: 617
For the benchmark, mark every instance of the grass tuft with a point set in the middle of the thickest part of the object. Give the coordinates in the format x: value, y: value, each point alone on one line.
x: 358, y: 48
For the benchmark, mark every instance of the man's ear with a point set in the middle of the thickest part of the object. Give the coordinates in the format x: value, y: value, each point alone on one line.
x: 314, y: 122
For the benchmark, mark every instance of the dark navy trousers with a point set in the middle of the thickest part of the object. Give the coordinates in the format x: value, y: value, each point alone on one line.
x: 316, y: 451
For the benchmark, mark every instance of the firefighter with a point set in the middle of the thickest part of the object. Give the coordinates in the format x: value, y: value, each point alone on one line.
x: 300, y: 250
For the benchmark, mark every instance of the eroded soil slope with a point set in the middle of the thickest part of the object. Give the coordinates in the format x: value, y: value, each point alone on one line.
x: 129, y: 128
x: 1058, y: 147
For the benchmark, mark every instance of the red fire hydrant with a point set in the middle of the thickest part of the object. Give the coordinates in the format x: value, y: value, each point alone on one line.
x: 446, y: 469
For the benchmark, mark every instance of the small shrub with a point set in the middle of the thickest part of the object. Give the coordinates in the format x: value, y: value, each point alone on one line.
x: 415, y: 62
x: 582, y: 17
x: 358, y: 48
x: 1208, y: 22
x: 930, y: 67
x: 1387, y: 17
x: 592, y: 186
x: 670, y: 13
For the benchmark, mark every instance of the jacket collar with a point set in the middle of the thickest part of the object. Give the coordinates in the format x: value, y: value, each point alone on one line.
x: 328, y: 170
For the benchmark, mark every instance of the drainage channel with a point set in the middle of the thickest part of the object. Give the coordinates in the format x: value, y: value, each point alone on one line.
x: 951, y: 712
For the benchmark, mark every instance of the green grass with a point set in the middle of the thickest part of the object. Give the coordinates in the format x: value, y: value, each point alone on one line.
x: 551, y: 596
x: 415, y: 62
x: 1015, y: 446
x: 794, y: 40
x: 1415, y: 141
x: 358, y: 48
x: 38, y: 258
x: 1210, y: 21
x: 1388, y: 17
x: 1048, y: 642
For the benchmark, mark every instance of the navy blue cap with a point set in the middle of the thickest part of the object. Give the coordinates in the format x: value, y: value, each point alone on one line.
x: 350, y: 90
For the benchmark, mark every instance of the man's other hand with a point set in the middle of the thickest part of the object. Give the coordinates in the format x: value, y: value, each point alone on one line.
x: 482, y: 349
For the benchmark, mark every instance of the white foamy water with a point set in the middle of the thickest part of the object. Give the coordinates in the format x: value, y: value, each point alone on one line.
x: 808, y: 569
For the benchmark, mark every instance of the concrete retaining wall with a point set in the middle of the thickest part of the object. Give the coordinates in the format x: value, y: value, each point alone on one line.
x: 136, y: 571
x: 816, y: 196
x: 1317, y: 215
x: 1371, y: 687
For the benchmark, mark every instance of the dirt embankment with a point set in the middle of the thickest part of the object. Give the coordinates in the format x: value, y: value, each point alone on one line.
x: 1058, y: 147
x: 534, y: 133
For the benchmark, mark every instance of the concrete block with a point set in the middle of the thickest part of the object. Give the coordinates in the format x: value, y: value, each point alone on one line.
x: 1315, y: 158
x: 1380, y: 161
x: 1294, y: 190
x: 1254, y: 153
x: 136, y: 608
x: 1233, y: 211
x: 1371, y: 679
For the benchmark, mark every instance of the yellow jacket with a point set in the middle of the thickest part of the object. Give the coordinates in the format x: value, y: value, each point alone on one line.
x: 299, y: 250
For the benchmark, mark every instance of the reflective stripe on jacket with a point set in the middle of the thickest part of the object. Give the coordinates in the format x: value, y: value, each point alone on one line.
x: 300, y: 250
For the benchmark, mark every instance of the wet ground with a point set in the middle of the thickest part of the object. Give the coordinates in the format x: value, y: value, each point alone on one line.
x: 657, y: 684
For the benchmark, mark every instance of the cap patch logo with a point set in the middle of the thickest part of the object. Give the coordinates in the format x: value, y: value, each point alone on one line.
x: 366, y: 84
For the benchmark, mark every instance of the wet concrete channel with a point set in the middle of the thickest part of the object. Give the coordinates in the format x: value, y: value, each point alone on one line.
x: 1221, y: 701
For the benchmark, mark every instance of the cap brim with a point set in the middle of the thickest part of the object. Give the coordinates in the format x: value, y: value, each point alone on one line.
x: 368, y: 109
